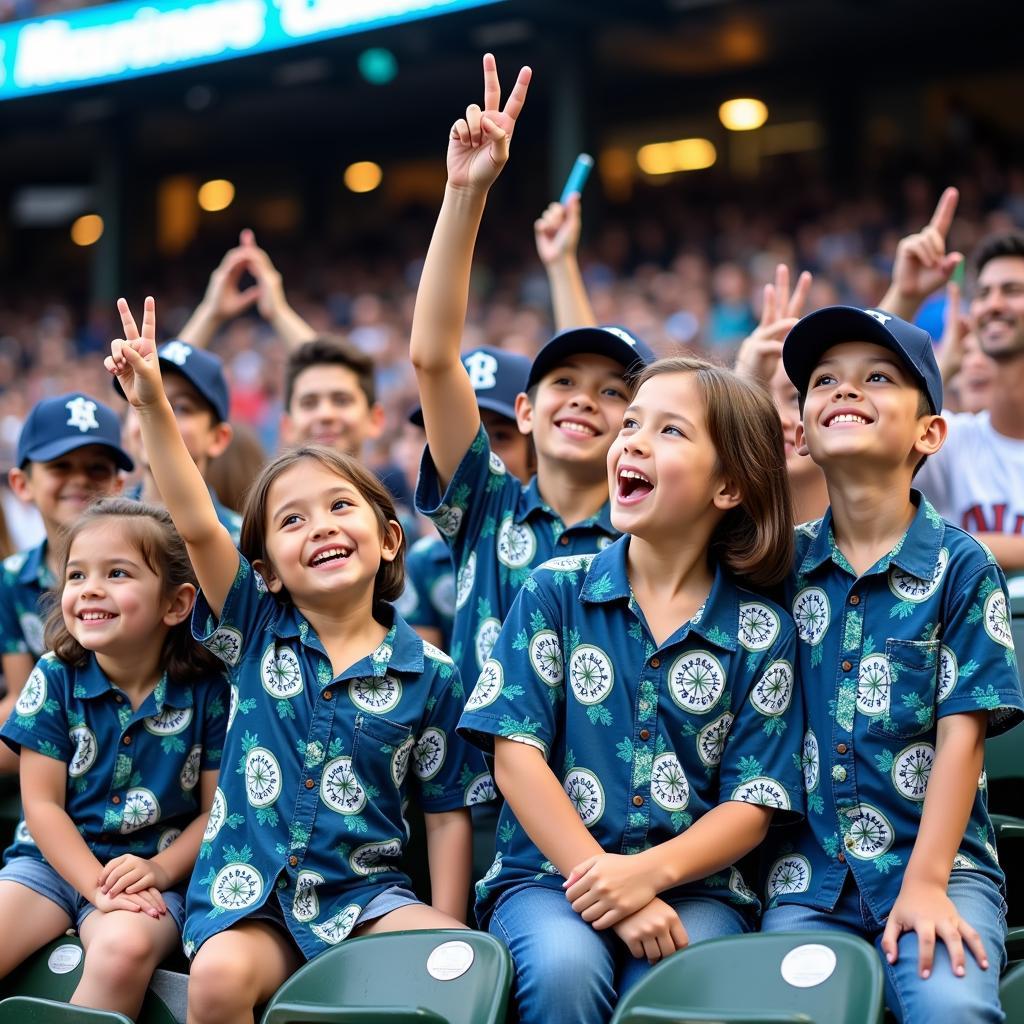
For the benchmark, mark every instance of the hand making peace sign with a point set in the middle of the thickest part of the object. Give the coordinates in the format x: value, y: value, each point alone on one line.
x: 478, y: 143
x: 133, y: 359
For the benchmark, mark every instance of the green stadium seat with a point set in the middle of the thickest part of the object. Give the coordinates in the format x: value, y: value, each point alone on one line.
x: 786, y: 978
x: 415, y: 977
x: 1011, y: 994
x: 28, y: 1010
x: 10, y: 809
x: 1014, y: 945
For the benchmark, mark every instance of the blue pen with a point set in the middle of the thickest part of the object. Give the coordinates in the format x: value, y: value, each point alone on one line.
x: 577, y: 176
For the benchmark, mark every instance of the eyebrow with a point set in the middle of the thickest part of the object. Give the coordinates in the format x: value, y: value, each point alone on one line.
x: 343, y: 489
x: 78, y: 562
x: 673, y: 416
x: 874, y: 361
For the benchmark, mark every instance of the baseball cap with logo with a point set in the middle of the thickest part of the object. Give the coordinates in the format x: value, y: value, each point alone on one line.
x: 497, y: 378
x: 819, y: 331
x: 616, y: 343
x: 56, y: 426
x: 202, y: 369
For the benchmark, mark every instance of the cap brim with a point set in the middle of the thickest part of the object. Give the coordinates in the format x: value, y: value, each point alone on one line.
x: 168, y: 366
x: 55, y: 449
x: 817, y: 332
x: 584, y: 340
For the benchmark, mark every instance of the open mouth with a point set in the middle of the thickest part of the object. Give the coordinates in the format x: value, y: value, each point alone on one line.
x: 847, y: 419
x: 96, y: 616
x: 577, y: 428
x: 634, y: 486
x: 329, y: 555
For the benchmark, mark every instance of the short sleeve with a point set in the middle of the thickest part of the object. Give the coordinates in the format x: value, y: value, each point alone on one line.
x: 761, y: 759
x: 522, y: 681
x: 977, y: 665
x: 476, y: 496
x: 39, y: 720
x: 215, y: 722
x: 443, y: 763
x: 247, y: 612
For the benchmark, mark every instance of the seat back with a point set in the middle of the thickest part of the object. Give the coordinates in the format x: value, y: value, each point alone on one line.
x: 824, y: 977
x: 455, y: 976
x: 28, y: 1010
x: 1011, y: 993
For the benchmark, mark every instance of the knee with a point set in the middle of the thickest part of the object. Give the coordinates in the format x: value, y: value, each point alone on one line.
x: 119, y: 959
x: 973, y: 999
x: 565, y: 981
x: 219, y: 984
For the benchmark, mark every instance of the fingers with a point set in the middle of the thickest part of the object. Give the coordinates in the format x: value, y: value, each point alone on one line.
x: 129, y: 903
x: 158, y: 899
x: 890, y: 939
x: 974, y: 944
x: 460, y: 131
x: 925, y: 947
x: 498, y: 138
x: 131, y: 331
x: 782, y: 285
x: 492, y: 87
x: 768, y: 305
x: 246, y: 238
x: 517, y: 97
x: 678, y: 933
x: 473, y: 118
x: 945, y: 209
x: 149, y: 321
x: 950, y: 935
x: 608, y: 919
x: 651, y: 949
x: 800, y: 292
x: 148, y: 904
x: 584, y: 901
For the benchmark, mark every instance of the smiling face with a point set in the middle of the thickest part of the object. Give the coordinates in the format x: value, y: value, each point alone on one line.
x: 113, y: 602
x: 663, y: 470
x: 322, y: 536
x: 328, y: 406
x: 998, y: 307
x: 576, y: 410
x: 64, y: 487
x: 863, y: 404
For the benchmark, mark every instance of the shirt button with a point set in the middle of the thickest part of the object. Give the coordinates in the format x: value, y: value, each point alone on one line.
x: 645, y: 734
x: 564, y: 541
x: 838, y: 773
x: 310, y: 783
x: 118, y: 699
x: 293, y: 860
x: 841, y: 858
x: 655, y: 662
x: 849, y: 842
x: 127, y: 741
x: 854, y: 599
x: 847, y: 665
x: 115, y: 799
x: 841, y: 748
x: 638, y: 801
x: 328, y: 694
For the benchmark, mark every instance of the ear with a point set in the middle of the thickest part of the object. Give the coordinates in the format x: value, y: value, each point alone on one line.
x: 800, y: 440
x: 180, y: 605
x: 220, y: 438
x: 931, y: 436
x: 524, y: 413
x: 20, y: 484
x: 118, y: 485
x: 391, y: 542
x: 728, y: 495
x: 266, y: 570
x: 374, y: 422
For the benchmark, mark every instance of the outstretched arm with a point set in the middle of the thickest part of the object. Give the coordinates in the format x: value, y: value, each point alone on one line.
x: 223, y: 300
x: 133, y: 360
x: 557, y: 233
x: 477, y: 151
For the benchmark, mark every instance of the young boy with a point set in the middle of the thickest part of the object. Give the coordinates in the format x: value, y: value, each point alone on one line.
x: 498, y: 377
x: 198, y: 393
x: 69, y: 454
x: 907, y: 663
x: 497, y: 529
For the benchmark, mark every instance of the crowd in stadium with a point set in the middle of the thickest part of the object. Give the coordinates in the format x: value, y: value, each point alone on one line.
x: 615, y: 624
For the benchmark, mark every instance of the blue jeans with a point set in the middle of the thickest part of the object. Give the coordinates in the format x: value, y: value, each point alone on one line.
x: 972, y: 999
x: 568, y: 973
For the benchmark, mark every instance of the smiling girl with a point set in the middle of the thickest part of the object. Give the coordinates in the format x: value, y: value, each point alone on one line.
x: 120, y: 729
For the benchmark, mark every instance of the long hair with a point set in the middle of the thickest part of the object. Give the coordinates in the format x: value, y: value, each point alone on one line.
x: 151, y: 532
x: 390, y: 579
x: 754, y: 540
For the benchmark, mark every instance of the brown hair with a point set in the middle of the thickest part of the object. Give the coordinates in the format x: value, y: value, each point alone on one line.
x: 329, y: 350
x: 755, y: 539
x: 150, y: 530
x: 232, y: 472
x: 390, y: 581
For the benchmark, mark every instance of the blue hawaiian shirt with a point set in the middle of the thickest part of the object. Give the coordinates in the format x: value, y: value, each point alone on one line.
x: 923, y: 634
x: 499, y: 530
x: 132, y: 775
x: 429, y: 595
x: 645, y: 737
x: 317, y: 768
x: 228, y: 518
x: 24, y: 585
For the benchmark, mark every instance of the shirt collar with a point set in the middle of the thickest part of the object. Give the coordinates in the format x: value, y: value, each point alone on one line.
x: 915, y: 553
x: 35, y: 569
x: 91, y: 682
x: 717, y: 621
x: 532, y: 501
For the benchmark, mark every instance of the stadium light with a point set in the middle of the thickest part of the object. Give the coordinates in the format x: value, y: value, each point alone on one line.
x: 216, y: 195
x: 742, y: 115
x: 377, y: 65
x: 87, y: 230
x: 680, y: 155
x: 363, y: 176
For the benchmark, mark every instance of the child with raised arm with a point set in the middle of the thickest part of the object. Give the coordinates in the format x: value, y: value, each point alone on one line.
x: 906, y: 660
x: 498, y: 529
x: 120, y: 729
x: 302, y: 850
x: 641, y: 706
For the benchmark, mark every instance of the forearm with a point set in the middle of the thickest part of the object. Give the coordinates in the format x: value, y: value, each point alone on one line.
x: 63, y: 846
x: 290, y: 327
x: 202, y: 326
x: 569, y: 295
x: 450, y: 855
x: 1007, y: 548
x: 716, y: 840
x: 904, y: 306
x: 541, y: 805
x: 178, y: 860
x: 952, y: 789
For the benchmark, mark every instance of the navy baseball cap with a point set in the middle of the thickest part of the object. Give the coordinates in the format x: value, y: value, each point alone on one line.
x: 614, y: 342
x: 817, y: 332
x: 497, y: 378
x: 202, y: 369
x: 56, y: 426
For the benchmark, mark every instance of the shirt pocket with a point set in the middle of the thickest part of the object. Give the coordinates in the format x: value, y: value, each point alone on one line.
x: 913, y: 677
x: 381, y: 752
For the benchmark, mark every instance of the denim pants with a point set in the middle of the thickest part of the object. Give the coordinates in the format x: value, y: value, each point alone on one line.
x: 568, y: 973
x: 972, y: 999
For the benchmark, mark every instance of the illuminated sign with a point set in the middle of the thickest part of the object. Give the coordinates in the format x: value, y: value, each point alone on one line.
x: 124, y: 40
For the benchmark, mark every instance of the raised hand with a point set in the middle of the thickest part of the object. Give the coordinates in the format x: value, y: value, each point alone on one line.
x: 133, y: 359
x: 922, y: 264
x: 760, y: 353
x: 478, y: 143
x: 557, y: 230
x: 224, y: 299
